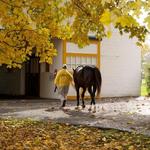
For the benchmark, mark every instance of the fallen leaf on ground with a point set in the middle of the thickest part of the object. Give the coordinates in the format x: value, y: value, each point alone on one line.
x: 41, y: 135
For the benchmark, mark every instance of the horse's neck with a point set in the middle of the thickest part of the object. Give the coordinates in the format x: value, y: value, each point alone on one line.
x: 79, y: 68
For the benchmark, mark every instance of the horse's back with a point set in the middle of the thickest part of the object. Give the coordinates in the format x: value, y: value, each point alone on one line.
x: 85, y: 74
x: 85, y: 67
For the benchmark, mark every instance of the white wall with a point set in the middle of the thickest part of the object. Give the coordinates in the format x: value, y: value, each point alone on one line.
x: 73, y: 48
x: 120, y: 66
x: 46, y: 78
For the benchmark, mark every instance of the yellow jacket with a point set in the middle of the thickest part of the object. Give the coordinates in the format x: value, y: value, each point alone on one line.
x: 63, y: 78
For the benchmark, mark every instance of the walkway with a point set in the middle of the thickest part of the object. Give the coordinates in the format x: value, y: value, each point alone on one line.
x: 130, y: 114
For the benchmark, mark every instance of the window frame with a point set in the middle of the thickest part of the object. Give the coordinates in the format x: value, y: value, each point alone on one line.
x: 96, y: 55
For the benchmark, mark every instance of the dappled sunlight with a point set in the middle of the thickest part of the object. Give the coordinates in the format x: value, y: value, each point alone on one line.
x: 144, y: 112
x: 125, y: 114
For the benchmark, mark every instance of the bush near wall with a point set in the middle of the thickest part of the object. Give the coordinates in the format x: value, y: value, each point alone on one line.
x: 147, y: 77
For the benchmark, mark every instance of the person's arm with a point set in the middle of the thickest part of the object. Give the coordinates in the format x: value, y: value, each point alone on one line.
x: 70, y: 76
x: 57, y: 78
x: 71, y: 79
x: 73, y: 84
x: 55, y: 88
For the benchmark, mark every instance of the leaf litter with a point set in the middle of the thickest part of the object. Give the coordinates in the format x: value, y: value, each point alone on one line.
x: 26, y: 134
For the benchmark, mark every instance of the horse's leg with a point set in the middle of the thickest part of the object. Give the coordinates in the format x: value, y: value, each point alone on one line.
x: 78, y: 97
x: 93, y: 98
x: 90, y: 92
x: 82, y: 96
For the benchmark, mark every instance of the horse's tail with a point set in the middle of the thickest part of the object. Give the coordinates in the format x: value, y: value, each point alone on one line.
x: 98, y: 80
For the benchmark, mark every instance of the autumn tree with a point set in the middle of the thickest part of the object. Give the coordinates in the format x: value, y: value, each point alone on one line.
x: 27, y: 25
x: 31, y: 25
x: 98, y: 16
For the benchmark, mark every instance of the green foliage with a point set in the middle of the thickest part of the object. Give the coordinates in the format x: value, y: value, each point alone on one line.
x: 143, y: 88
x: 147, y: 82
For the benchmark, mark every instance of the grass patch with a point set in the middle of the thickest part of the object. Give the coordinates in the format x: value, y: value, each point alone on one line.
x: 35, y: 135
x: 143, y: 88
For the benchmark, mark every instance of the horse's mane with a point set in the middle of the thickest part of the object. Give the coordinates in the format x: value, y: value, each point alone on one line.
x: 82, y: 66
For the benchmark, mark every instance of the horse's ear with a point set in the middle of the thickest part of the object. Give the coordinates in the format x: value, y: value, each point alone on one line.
x: 73, y: 70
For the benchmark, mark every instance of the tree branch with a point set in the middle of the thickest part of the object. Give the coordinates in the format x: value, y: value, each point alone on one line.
x: 19, y: 31
x: 12, y: 45
x: 3, y: 1
x: 81, y: 8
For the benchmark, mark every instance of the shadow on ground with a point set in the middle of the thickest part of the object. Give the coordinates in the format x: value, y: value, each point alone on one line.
x: 129, y: 114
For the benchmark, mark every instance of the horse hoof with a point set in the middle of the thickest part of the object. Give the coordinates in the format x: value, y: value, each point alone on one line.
x: 77, y: 108
x: 94, y: 111
x: 83, y: 106
x: 89, y: 109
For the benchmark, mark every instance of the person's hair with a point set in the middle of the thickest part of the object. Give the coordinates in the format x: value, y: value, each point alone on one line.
x: 64, y: 66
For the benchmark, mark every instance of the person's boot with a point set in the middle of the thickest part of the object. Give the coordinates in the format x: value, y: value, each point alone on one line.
x: 64, y: 103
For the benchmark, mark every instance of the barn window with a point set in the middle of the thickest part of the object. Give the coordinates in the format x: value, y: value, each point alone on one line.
x: 74, y: 60
x: 74, y: 56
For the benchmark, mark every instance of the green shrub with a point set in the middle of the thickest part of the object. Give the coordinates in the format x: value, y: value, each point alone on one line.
x: 147, y: 78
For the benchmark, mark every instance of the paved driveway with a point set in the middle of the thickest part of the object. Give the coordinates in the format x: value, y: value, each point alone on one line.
x: 131, y: 114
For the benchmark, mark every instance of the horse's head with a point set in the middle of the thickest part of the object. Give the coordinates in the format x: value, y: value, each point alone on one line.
x: 77, y: 72
x: 74, y: 72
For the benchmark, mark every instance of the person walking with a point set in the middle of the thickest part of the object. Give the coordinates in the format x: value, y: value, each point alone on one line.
x: 55, y: 73
x: 63, y: 80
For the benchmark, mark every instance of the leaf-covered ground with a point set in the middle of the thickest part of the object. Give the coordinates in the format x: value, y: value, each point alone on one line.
x: 35, y: 135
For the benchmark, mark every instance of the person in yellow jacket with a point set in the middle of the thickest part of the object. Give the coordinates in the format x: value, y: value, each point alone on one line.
x: 62, y: 81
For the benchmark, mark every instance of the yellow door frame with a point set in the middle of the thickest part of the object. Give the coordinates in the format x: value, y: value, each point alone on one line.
x: 97, y: 55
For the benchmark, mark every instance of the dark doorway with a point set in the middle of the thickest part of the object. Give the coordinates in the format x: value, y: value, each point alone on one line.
x: 32, y: 77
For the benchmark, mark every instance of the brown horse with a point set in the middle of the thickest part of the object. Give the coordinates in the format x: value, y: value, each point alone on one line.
x: 87, y: 77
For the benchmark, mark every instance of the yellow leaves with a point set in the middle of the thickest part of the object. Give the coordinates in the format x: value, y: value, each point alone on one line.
x: 46, y: 52
x: 147, y: 21
x: 33, y: 23
x: 38, y: 3
x: 105, y: 18
x: 66, y: 33
x: 12, y: 58
x: 16, y: 11
x: 126, y: 21
x: 30, y: 24
x: 44, y: 31
x: 135, y: 5
x: 104, y: 139
x: 3, y: 9
x: 16, y: 65
x: 131, y: 147
x: 36, y: 135
x: 109, y: 34
x: 123, y: 21
x: 115, y: 14
x: 105, y: 1
x: 112, y: 145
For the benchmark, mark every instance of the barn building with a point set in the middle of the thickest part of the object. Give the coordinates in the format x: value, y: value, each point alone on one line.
x: 118, y: 58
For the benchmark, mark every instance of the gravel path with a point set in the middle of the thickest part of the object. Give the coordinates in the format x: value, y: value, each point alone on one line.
x: 129, y: 113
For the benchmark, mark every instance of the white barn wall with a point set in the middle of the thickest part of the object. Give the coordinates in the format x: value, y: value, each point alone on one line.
x: 46, y: 78
x: 73, y: 48
x: 120, y: 66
